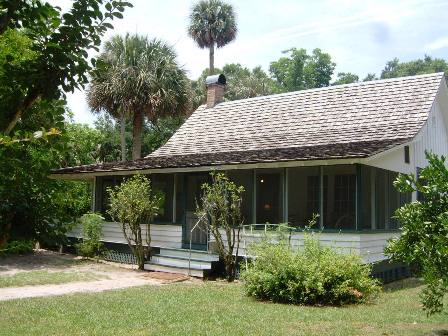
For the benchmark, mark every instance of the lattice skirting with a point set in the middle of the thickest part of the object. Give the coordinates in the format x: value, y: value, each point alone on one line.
x: 121, y: 257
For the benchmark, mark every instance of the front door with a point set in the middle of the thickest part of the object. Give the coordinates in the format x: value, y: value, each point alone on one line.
x: 199, y: 235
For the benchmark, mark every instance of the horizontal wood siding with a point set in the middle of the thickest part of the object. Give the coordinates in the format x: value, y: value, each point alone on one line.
x: 433, y: 136
x: 161, y: 235
x: 369, y: 246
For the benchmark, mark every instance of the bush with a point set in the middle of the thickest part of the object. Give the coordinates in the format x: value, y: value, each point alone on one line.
x: 91, y: 246
x: 18, y: 247
x: 314, y: 275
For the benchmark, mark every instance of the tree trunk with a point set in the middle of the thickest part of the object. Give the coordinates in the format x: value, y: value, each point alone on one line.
x: 137, y: 135
x: 211, y: 67
x: 123, y: 137
x: 29, y: 101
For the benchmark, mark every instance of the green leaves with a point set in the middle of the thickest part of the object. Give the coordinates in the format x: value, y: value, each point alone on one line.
x: 60, y: 43
x: 424, y: 238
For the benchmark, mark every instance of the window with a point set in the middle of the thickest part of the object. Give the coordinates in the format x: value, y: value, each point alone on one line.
x: 245, y: 178
x: 407, y: 158
x: 340, y: 200
x: 420, y: 195
x: 387, y: 199
x: 102, y: 203
x: 269, y: 193
x: 303, y: 195
x: 162, y: 184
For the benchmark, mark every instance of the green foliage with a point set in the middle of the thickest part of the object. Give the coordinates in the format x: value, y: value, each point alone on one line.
x: 346, y: 78
x: 241, y: 83
x: 300, y: 71
x: 427, y: 65
x: 212, y: 22
x: 17, y: 247
x: 92, y: 230
x: 424, y: 238
x: 220, y: 204
x: 33, y: 205
x: 314, y: 275
x: 52, y: 57
x: 134, y: 203
x: 135, y: 78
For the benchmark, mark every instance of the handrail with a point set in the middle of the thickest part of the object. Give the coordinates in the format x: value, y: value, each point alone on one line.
x: 191, y: 235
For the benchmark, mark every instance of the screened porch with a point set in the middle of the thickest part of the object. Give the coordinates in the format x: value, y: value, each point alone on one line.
x: 348, y: 198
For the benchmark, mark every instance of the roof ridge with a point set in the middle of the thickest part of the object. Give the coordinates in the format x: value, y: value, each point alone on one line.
x: 331, y: 87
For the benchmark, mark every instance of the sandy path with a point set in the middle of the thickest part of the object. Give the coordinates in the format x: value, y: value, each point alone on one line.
x: 12, y: 293
x: 114, y: 277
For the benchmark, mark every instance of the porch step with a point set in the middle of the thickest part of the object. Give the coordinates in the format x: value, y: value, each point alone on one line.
x: 184, y: 253
x: 179, y: 261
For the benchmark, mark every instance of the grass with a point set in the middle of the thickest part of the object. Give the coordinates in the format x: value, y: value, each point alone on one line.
x: 42, y: 277
x: 213, y: 309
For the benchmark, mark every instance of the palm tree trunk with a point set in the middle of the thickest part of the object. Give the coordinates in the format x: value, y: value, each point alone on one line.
x: 211, y: 59
x: 137, y: 135
x: 123, y: 137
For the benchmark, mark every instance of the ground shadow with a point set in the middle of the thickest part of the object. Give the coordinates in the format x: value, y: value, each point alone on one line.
x: 403, y: 284
x: 36, y: 261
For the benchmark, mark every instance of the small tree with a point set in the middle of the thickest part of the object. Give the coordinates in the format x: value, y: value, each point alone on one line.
x: 133, y: 203
x: 91, y: 244
x: 221, y: 203
x: 424, y: 238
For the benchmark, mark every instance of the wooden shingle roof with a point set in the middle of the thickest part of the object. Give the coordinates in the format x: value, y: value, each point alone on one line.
x: 344, y: 121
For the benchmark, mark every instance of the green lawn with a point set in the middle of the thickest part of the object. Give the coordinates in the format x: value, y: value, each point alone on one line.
x: 212, y: 309
x: 45, y: 278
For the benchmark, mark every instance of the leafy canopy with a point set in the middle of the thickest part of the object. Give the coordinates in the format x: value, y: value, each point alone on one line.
x: 131, y: 204
x: 57, y: 59
x: 212, y: 22
x: 424, y: 238
x: 300, y: 71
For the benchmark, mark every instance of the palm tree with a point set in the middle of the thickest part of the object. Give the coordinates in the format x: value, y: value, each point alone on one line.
x: 212, y: 22
x: 100, y: 97
x: 144, y: 80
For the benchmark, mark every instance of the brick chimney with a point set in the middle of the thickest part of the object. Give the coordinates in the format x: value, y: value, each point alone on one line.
x: 215, y: 85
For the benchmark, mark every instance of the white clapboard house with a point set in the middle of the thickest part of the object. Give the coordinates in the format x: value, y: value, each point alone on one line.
x: 334, y: 151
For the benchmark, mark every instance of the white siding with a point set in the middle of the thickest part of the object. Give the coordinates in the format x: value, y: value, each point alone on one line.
x: 370, y: 246
x: 161, y: 235
x: 433, y: 137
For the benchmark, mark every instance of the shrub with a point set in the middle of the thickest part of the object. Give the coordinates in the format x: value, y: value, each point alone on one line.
x: 314, y: 275
x: 134, y: 203
x: 221, y: 205
x: 91, y: 245
x: 18, y: 247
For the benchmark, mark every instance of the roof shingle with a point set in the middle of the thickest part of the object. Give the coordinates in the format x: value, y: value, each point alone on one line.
x: 345, y: 121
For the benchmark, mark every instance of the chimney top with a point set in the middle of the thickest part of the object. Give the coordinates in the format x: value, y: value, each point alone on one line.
x: 215, y: 79
x: 215, y: 89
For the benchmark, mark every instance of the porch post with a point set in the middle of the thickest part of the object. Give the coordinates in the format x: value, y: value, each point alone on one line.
x: 285, y: 195
x: 373, y: 198
x: 358, y: 207
x: 321, y: 197
x: 174, y: 196
x: 93, y: 193
x: 254, y: 198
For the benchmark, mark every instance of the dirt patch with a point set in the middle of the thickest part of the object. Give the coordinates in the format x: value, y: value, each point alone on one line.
x: 112, y: 276
x: 166, y: 277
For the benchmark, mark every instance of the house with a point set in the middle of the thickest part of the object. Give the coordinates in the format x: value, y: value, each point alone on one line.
x: 334, y: 151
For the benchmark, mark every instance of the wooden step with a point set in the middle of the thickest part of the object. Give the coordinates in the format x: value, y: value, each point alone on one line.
x: 180, y: 262
x: 184, y: 253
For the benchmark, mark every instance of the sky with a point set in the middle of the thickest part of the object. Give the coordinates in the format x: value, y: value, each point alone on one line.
x: 360, y: 36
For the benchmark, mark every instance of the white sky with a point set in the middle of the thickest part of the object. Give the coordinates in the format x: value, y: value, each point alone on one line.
x: 361, y: 36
